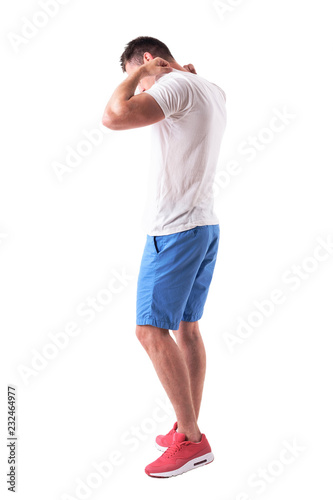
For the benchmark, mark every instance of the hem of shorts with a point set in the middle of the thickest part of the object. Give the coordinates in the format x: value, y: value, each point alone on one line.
x: 193, y: 317
x: 150, y: 320
x: 180, y: 229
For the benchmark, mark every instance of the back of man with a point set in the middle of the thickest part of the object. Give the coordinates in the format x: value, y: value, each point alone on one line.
x: 185, y: 151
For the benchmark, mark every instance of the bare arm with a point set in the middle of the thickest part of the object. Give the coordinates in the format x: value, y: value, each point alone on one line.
x: 126, y: 110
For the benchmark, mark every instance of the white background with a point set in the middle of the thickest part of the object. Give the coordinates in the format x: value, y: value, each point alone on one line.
x: 61, y: 240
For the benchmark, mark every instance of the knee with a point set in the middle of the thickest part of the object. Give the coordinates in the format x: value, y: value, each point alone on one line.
x: 140, y: 333
x: 188, y: 334
x: 144, y: 335
x: 150, y: 336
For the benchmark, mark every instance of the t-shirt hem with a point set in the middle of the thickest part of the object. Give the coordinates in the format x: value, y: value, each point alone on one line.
x: 179, y: 229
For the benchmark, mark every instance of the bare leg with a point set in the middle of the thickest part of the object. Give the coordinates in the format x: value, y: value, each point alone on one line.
x: 190, y: 343
x: 172, y: 371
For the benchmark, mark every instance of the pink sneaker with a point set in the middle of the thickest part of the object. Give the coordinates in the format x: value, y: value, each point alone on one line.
x: 182, y: 456
x: 163, y: 442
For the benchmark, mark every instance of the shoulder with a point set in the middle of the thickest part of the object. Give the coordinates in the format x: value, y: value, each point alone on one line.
x: 176, y: 75
x: 177, y: 81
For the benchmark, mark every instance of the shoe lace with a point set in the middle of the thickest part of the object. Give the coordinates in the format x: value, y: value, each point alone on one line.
x: 175, y: 448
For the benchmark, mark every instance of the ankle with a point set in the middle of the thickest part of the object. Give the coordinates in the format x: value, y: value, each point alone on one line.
x: 195, y: 438
x: 192, y: 433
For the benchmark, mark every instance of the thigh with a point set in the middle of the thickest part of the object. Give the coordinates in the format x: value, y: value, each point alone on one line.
x: 168, y: 269
x: 197, y: 298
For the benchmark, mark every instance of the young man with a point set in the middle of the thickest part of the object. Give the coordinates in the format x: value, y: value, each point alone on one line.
x: 188, y: 115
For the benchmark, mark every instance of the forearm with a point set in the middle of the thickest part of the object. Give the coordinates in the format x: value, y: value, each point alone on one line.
x: 124, y: 92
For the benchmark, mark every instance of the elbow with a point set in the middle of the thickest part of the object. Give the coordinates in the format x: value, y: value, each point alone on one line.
x: 114, y: 119
x: 109, y: 121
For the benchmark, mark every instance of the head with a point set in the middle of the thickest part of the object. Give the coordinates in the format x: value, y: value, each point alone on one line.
x: 140, y: 51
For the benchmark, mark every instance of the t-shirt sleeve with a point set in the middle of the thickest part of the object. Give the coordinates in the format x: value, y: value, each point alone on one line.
x: 174, y: 95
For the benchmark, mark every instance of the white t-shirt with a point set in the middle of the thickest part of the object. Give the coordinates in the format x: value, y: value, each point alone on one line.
x: 185, y: 151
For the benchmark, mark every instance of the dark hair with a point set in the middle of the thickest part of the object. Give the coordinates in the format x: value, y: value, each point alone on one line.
x: 136, y: 48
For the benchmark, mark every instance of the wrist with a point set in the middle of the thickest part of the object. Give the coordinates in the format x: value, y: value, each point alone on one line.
x: 141, y: 71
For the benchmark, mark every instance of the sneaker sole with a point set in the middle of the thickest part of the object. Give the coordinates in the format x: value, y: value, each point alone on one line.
x: 192, y: 464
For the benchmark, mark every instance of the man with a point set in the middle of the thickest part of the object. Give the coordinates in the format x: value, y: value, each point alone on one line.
x: 188, y: 115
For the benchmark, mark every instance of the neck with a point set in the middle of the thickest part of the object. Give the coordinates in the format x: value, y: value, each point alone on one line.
x: 175, y: 65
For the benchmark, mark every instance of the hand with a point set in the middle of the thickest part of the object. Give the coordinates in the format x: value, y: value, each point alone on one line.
x: 156, y: 66
x: 190, y: 68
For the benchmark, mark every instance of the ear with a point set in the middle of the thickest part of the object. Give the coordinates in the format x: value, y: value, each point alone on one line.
x: 147, y: 57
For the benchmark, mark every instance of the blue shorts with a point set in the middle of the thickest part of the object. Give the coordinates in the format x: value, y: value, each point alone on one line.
x: 175, y: 274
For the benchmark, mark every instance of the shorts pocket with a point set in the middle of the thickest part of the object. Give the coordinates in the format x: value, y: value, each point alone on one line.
x: 158, y: 243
